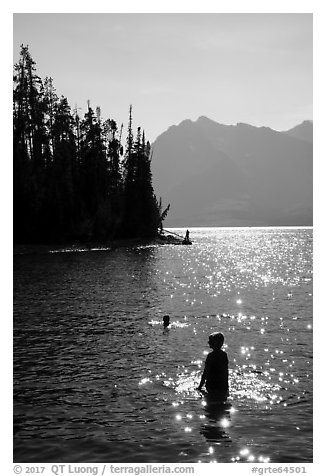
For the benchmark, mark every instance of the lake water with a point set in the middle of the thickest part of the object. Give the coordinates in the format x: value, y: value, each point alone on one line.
x: 97, y: 378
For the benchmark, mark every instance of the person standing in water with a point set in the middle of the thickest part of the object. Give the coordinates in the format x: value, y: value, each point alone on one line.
x: 216, y: 372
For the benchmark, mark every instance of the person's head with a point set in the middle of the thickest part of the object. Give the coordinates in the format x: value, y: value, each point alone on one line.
x: 166, y: 320
x: 216, y: 340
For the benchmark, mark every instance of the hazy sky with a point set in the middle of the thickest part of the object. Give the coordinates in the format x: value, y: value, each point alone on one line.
x: 254, y: 68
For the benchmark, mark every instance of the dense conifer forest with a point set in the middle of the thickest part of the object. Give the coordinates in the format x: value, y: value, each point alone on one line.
x: 73, y: 180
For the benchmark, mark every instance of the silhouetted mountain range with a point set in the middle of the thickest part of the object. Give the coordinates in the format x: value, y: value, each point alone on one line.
x: 218, y: 175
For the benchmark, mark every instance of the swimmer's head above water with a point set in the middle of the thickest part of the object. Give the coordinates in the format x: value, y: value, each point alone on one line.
x: 166, y: 321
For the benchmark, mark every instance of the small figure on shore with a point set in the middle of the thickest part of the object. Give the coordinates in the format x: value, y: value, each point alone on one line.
x: 166, y: 321
x: 216, y: 372
x: 186, y: 240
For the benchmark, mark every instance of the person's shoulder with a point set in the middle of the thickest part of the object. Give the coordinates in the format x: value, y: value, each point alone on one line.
x: 209, y: 356
x: 225, y: 355
x: 221, y: 354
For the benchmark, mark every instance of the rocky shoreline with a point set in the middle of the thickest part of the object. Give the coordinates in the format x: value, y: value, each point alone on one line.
x: 23, y: 249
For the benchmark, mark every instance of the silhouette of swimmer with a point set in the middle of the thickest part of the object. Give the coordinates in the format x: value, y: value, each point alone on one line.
x: 216, y: 373
x: 166, y: 321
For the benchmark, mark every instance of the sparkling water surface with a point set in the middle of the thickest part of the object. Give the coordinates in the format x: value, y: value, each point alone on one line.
x: 97, y: 378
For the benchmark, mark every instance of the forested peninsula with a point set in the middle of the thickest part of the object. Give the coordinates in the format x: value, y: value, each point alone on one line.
x: 73, y: 179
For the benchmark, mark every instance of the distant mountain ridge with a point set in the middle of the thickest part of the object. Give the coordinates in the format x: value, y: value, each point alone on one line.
x: 242, y: 175
x: 303, y: 131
